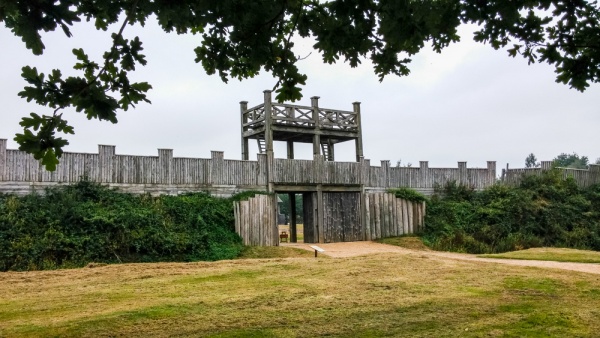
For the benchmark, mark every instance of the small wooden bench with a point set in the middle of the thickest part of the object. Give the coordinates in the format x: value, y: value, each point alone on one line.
x: 317, y: 249
x: 283, y: 236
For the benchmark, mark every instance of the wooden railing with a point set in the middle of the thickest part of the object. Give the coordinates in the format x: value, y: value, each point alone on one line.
x: 301, y: 116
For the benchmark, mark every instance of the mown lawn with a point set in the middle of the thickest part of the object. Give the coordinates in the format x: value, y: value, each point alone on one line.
x: 551, y: 254
x: 369, y: 296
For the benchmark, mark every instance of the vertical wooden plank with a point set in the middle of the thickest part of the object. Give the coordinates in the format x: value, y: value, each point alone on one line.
x: 394, y: 206
x: 243, y: 223
x: 274, y: 225
x: 411, y: 218
x: 392, y: 217
x: 3, y: 155
x: 252, y: 209
x: 406, y: 216
x: 416, y: 215
x: 320, y: 216
x: 315, y: 217
x: 377, y: 199
x: 388, y: 218
x: 385, y: 217
x: 372, y: 216
x: 355, y: 208
x: 424, y: 213
x: 261, y: 221
x: 367, y: 223
x: 400, y: 216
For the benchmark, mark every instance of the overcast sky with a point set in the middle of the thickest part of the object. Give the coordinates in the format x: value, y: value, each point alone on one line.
x: 470, y: 103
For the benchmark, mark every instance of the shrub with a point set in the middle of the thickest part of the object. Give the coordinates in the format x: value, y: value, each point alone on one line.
x: 73, y: 225
x: 543, y: 210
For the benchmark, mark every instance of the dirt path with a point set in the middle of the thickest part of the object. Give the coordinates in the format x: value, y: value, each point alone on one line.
x: 351, y: 249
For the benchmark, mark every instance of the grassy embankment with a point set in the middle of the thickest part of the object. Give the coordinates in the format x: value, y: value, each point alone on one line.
x: 375, y: 295
x: 551, y: 254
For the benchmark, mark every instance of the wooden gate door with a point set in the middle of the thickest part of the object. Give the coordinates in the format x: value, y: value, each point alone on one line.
x: 342, y: 221
x: 256, y: 220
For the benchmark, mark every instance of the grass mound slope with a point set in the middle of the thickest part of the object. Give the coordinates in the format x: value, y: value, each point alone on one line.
x: 551, y: 254
x: 408, y: 242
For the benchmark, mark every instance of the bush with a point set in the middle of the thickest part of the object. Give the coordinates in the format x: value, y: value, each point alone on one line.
x: 73, y: 225
x: 543, y: 210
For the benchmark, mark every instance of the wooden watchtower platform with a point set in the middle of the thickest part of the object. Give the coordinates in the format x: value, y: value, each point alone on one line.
x: 324, y: 128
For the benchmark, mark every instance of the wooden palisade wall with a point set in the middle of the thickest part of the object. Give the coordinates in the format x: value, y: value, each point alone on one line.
x: 20, y: 173
x: 388, y: 216
x: 256, y: 222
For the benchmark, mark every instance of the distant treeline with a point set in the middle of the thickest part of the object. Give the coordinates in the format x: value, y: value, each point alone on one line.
x: 544, y: 210
x: 74, y: 225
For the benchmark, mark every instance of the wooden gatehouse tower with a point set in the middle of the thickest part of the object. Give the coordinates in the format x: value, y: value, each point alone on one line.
x: 332, y: 212
x: 324, y: 128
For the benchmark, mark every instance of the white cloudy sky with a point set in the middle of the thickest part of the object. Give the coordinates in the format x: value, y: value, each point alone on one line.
x: 470, y: 103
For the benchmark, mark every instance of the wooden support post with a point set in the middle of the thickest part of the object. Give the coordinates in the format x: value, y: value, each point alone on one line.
x: 293, y: 230
x: 274, y: 228
x: 243, y: 108
x: 358, y: 141
x: 290, y: 150
x: 269, y: 140
x: 462, y: 173
x: 3, y: 143
x: 317, y: 249
x: 491, y: 166
x: 320, y: 214
x: 314, y: 102
x: 268, y: 122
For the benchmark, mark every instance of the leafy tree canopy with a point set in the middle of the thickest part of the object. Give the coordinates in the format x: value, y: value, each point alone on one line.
x: 531, y: 161
x: 240, y: 38
x: 571, y: 161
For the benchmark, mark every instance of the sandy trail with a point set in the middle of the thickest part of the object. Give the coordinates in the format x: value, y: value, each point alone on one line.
x: 351, y: 249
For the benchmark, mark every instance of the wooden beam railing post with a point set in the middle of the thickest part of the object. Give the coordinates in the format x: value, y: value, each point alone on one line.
x: 314, y: 102
x: 358, y: 141
x: 269, y: 139
x: 243, y: 108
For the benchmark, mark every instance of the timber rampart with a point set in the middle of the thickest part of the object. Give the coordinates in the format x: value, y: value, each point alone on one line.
x: 583, y: 177
x: 20, y: 173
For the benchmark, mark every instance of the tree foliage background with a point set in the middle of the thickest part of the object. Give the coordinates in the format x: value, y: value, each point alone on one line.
x: 571, y: 161
x: 240, y: 38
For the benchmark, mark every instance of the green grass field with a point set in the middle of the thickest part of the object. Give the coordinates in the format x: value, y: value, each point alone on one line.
x: 551, y: 254
x: 394, y: 295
